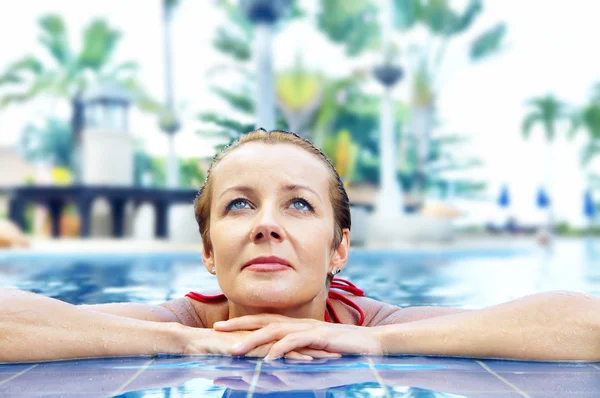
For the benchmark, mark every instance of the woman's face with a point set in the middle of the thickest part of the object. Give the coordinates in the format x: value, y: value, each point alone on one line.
x: 272, y: 201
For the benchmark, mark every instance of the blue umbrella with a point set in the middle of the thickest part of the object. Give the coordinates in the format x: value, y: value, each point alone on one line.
x: 589, y: 209
x: 504, y: 198
x: 542, y: 198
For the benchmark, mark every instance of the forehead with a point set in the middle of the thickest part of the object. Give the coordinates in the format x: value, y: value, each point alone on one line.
x: 281, y: 162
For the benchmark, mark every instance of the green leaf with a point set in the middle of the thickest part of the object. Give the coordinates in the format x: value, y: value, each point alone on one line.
x: 465, y: 21
x: 128, y: 69
x: 488, y: 42
x: 547, y: 111
x: 10, y: 78
x: 230, y: 44
x: 13, y: 73
x: 351, y: 23
x: 52, y: 142
x: 406, y: 13
x: 528, y: 123
x: 170, y: 4
x: 442, y: 20
x: 225, y: 122
x: 99, y: 41
x: 590, y: 151
x: 241, y: 101
x: 54, y: 38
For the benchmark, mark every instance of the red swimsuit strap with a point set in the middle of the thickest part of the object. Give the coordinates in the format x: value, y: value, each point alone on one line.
x: 336, y: 283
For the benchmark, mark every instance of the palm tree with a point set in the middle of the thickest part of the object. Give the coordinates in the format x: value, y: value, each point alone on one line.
x: 588, y: 119
x: 444, y: 25
x: 168, y: 121
x: 357, y: 29
x: 548, y: 112
x: 70, y: 72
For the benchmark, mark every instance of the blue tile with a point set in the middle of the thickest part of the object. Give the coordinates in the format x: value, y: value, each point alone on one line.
x: 68, y: 377
x: 348, y: 376
x: 532, y: 366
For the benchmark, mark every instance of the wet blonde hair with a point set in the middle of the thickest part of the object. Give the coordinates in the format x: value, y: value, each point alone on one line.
x: 337, y: 192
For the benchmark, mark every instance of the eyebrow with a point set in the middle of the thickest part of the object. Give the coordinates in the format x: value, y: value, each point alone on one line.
x: 290, y: 187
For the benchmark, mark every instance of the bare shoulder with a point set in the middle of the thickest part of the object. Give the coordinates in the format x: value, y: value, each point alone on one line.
x: 378, y: 313
x: 196, y: 313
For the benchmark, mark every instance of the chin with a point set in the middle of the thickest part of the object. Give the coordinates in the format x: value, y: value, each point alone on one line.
x: 274, y: 294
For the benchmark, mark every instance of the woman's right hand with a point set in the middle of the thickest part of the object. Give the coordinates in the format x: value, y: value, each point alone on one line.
x: 210, y: 341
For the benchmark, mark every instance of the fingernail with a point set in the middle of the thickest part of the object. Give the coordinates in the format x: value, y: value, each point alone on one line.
x: 236, y: 347
x: 219, y: 323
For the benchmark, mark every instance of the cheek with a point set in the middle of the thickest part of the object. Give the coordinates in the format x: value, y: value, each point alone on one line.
x: 312, y: 241
x: 228, y: 235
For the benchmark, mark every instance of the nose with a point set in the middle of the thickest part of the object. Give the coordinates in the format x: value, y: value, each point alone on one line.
x: 266, y: 228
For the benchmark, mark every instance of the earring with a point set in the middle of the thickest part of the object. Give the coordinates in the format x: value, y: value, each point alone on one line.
x: 214, y: 270
x: 336, y: 271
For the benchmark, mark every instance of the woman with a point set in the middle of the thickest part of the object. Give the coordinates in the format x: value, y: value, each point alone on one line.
x: 274, y: 219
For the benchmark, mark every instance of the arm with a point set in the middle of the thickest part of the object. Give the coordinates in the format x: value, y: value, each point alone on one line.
x: 545, y: 326
x: 378, y: 313
x: 179, y: 310
x: 37, y: 328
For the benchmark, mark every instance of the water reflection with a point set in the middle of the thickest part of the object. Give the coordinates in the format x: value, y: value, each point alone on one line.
x: 233, y: 377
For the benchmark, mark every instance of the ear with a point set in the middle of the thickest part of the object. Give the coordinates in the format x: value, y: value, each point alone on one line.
x: 208, y: 259
x: 340, y: 255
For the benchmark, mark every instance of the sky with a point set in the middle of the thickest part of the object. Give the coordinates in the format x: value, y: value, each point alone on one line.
x: 550, y: 48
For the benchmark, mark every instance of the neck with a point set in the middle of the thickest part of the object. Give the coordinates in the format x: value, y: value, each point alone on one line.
x: 315, y: 309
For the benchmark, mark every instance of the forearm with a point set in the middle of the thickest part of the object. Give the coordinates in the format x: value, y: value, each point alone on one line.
x: 548, y: 326
x: 38, y: 328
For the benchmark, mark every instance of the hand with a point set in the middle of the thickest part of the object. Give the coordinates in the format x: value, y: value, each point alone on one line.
x: 296, y: 336
x: 208, y: 341
x: 254, y: 322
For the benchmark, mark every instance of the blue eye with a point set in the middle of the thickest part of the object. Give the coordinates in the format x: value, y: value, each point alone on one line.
x: 301, y: 205
x: 238, y: 204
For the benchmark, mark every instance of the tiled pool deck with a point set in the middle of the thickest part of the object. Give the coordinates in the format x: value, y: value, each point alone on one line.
x: 346, y: 377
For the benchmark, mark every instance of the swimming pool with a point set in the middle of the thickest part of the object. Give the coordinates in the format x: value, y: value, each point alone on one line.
x: 451, y: 277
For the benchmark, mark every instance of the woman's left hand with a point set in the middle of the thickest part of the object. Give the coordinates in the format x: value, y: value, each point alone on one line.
x: 313, y: 335
x: 254, y: 322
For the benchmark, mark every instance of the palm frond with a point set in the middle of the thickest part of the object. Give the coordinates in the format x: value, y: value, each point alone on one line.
x: 528, y: 123
x: 54, y: 38
x: 225, y: 122
x: 242, y: 102
x: 406, y: 13
x: 589, y: 152
x: 121, y: 71
x: 14, y: 74
x: 99, y: 41
x: 231, y: 44
x: 488, y: 43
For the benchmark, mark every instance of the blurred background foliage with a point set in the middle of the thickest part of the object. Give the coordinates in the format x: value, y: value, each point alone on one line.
x: 339, y: 114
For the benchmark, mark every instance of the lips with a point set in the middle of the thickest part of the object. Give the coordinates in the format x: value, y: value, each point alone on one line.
x: 267, y: 264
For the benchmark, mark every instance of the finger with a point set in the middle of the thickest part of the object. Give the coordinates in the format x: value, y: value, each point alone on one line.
x: 248, y: 322
x: 263, y: 336
x: 295, y: 341
x: 259, y: 351
x: 298, y: 356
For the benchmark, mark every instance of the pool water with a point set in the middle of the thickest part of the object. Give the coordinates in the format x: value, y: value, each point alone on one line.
x: 471, y: 278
